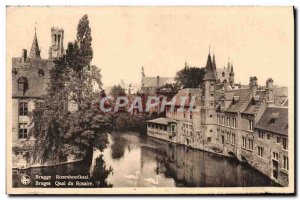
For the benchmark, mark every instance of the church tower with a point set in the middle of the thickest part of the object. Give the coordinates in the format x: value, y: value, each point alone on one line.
x: 35, y: 51
x: 56, y: 49
x: 231, y: 76
x: 208, y: 109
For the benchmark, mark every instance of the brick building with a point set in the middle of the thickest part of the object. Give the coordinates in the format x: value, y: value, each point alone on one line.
x: 227, y: 120
x: 30, y: 77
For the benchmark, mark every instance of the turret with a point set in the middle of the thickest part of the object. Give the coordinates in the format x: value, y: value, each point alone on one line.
x: 35, y: 51
x: 209, y: 73
x: 214, y: 63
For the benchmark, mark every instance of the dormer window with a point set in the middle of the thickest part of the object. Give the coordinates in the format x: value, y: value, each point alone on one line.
x: 22, y: 84
x: 274, y: 116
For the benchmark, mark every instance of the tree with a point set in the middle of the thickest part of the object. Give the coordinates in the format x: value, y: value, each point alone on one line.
x: 190, y: 77
x: 168, y: 90
x: 117, y: 91
x: 58, y: 131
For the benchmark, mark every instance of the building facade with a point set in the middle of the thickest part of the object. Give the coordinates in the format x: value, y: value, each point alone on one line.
x: 30, y: 77
x: 228, y: 121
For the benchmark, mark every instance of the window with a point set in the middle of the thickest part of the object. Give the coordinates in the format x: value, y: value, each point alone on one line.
x: 227, y: 137
x: 250, y: 122
x: 278, y: 139
x: 211, y: 103
x: 211, y: 94
x: 191, y: 115
x: 210, y: 116
x: 211, y: 130
x: 233, y: 139
x: 250, y: 144
x: 173, y: 127
x: 260, y: 134
x: 275, y: 155
x: 244, y: 142
x: 285, y: 162
x: 234, y: 122
x: 260, y: 151
x: 209, y: 139
x: 268, y: 136
x: 228, y: 121
x: 22, y: 131
x: 284, y: 143
x: 218, y: 119
x: 20, y: 86
x: 223, y: 120
x: 23, y: 108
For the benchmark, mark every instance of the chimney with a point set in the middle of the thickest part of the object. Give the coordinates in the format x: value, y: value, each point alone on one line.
x: 24, y: 55
x: 253, y: 85
x: 157, y: 81
x: 270, y: 91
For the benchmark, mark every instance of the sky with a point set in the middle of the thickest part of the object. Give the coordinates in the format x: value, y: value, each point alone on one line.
x: 259, y: 41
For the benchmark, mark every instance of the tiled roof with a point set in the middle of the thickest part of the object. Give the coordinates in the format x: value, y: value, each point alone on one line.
x: 152, y: 81
x: 281, y: 95
x: 30, y: 71
x: 162, y: 120
x: 254, y: 104
x: 236, y: 106
x: 186, y: 93
x: 279, y: 124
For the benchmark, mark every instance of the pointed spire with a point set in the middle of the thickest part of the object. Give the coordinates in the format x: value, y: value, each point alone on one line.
x: 209, y: 74
x: 231, y: 70
x: 228, y: 65
x: 143, y: 73
x: 186, y: 65
x: 35, y: 50
x: 214, y: 62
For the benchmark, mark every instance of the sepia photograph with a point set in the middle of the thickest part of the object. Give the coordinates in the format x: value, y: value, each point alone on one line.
x: 145, y: 100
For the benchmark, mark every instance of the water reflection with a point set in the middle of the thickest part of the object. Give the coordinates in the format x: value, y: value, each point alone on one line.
x: 131, y: 160
x: 177, y: 165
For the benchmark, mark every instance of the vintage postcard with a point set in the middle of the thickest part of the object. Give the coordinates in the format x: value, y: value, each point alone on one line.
x: 150, y: 100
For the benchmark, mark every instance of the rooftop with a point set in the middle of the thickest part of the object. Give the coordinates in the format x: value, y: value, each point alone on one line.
x: 162, y: 120
x: 275, y: 120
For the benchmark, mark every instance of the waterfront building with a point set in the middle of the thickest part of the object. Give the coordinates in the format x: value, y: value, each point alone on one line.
x: 271, y: 144
x: 30, y: 77
x: 226, y: 118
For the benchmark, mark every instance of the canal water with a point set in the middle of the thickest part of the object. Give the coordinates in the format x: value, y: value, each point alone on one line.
x: 152, y: 162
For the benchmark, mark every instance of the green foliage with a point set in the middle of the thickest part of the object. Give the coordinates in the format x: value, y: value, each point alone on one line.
x: 190, y: 77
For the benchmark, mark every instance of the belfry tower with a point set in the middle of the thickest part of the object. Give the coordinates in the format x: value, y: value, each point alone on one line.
x: 56, y: 49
